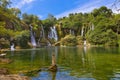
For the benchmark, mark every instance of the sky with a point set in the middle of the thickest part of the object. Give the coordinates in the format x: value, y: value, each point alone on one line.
x: 60, y: 8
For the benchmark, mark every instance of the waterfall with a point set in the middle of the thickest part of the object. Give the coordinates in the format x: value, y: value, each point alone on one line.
x: 92, y: 27
x: 12, y: 47
x: 43, y: 33
x: 48, y: 43
x: 82, y: 31
x: 32, y: 37
x: 84, y: 42
x: 53, y: 33
x: 72, y: 32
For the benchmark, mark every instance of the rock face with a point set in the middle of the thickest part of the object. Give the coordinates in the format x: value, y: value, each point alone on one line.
x: 13, y: 77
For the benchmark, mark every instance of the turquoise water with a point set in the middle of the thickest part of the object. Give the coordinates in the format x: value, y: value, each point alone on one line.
x: 74, y: 63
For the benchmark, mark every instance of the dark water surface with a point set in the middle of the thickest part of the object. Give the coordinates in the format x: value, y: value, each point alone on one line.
x: 74, y: 63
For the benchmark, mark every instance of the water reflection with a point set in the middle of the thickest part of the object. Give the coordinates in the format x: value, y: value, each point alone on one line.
x: 32, y: 56
x: 74, y: 63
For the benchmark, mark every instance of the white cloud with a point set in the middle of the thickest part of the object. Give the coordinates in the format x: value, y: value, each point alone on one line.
x: 88, y: 7
x: 115, y: 6
x: 40, y: 16
x: 23, y: 2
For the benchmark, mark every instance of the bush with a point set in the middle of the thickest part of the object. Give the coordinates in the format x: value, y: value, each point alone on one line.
x: 79, y: 40
x: 69, y: 40
x: 22, y: 39
x: 4, y: 43
x: 108, y: 37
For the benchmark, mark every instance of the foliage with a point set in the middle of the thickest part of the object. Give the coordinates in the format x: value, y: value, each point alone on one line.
x: 69, y: 40
x: 49, y: 22
x: 5, y: 3
x: 79, y: 40
x: 22, y: 39
x: 6, y: 33
x: 4, y: 43
x: 13, y: 25
x: 102, y: 38
x: 102, y: 11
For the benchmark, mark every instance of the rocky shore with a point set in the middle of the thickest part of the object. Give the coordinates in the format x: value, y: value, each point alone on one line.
x: 4, y: 72
x: 4, y: 75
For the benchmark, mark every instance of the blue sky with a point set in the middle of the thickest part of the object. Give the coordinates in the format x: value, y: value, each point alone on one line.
x: 59, y: 8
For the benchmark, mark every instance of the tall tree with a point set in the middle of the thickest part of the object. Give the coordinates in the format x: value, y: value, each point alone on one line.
x: 103, y: 11
x: 15, y: 11
x: 5, y: 3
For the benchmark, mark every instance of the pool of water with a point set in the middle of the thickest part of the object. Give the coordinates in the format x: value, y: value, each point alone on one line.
x: 74, y: 63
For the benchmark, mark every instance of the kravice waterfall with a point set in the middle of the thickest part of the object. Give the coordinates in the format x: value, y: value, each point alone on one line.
x: 53, y: 33
x: 33, y: 41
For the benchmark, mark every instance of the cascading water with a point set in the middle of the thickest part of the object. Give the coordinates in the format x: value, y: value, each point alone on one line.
x: 43, y: 33
x: 84, y: 42
x: 12, y: 47
x: 82, y: 31
x: 72, y: 32
x: 92, y: 27
x: 53, y: 33
x: 32, y: 37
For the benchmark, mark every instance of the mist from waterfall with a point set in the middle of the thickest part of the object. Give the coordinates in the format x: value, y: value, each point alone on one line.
x: 53, y: 33
x: 33, y: 42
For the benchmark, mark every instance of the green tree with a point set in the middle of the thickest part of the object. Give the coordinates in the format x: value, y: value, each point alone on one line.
x: 15, y: 11
x: 5, y: 3
x: 102, y: 11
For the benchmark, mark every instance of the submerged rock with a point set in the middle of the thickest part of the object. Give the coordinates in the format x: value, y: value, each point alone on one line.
x: 14, y: 77
x: 5, y: 60
x: 33, y: 72
x: 4, y: 75
x: 4, y: 71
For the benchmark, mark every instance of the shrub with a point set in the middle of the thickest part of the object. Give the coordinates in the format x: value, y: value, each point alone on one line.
x: 108, y: 37
x: 69, y: 40
x: 22, y: 39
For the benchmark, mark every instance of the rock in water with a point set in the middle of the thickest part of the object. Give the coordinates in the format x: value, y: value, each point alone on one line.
x: 53, y: 67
